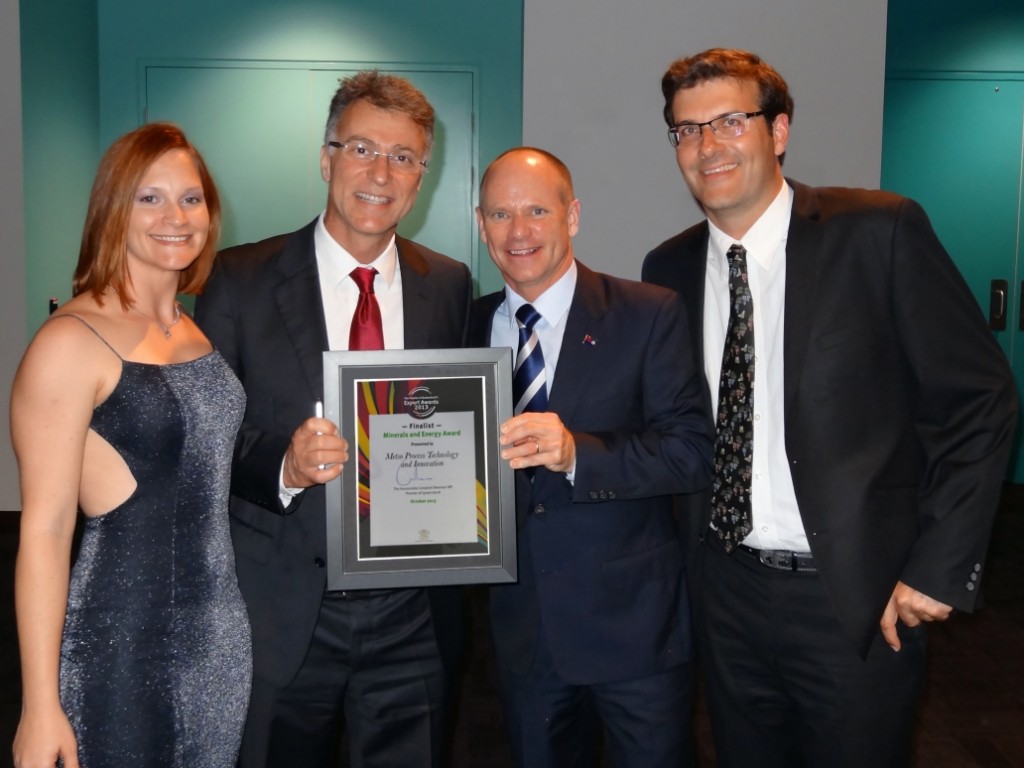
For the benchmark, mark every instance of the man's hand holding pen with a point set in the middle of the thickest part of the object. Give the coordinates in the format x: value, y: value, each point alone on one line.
x: 316, y: 454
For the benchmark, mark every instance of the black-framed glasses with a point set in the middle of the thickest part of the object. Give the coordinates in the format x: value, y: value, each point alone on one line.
x: 725, y: 127
x: 365, y: 152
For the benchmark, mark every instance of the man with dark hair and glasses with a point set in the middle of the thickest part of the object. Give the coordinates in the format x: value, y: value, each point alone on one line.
x: 344, y: 281
x: 865, y: 416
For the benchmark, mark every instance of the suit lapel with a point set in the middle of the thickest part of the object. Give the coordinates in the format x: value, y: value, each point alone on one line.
x: 577, y: 358
x: 417, y: 295
x: 301, y: 306
x: 693, y: 268
x: 803, y: 265
x: 481, y: 318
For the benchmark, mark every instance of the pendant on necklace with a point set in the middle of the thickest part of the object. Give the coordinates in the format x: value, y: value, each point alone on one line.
x: 165, y: 328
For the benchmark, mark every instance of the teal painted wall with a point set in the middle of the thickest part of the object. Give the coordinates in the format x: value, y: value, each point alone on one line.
x: 953, y: 64
x: 953, y: 36
x: 105, y: 44
x: 60, y: 121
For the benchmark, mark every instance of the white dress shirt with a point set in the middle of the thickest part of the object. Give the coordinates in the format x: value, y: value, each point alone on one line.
x: 340, y: 294
x: 776, y: 516
x: 553, y: 308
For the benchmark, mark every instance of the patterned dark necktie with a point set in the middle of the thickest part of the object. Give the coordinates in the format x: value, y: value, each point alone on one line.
x: 529, y: 385
x: 367, y: 331
x: 734, y: 437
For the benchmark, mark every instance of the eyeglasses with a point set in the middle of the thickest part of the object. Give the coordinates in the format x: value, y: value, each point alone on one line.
x: 364, y: 152
x: 725, y: 127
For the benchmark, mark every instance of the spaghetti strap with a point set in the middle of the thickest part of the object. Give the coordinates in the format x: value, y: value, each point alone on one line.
x: 83, y: 322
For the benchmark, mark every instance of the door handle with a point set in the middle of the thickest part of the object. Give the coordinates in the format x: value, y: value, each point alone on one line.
x: 997, y: 305
x: 1020, y: 320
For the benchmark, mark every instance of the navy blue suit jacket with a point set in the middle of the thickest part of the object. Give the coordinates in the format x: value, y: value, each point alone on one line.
x: 600, y: 562
x: 899, y: 405
x: 262, y: 309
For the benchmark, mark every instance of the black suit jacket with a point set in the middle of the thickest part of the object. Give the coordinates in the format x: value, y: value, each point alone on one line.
x: 600, y: 563
x: 262, y: 309
x: 899, y: 405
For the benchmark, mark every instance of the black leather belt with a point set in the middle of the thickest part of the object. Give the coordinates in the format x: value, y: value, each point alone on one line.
x: 781, y: 560
x: 358, y: 594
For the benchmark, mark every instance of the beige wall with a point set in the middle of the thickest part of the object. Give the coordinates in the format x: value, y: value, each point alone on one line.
x: 592, y: 95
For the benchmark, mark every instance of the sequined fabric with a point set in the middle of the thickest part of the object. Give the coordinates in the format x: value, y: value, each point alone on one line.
x: 156, y: 656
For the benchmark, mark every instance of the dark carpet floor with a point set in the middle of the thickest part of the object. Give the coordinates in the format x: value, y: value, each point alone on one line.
x: 972, y: 714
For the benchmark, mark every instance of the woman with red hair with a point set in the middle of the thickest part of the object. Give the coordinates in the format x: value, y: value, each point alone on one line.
x: 140, y: 654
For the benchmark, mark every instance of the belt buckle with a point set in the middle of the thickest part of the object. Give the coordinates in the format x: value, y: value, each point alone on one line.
x: 780, y: 561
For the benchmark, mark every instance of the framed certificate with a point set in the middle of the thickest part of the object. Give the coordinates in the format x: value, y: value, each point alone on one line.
x: 424, y: 498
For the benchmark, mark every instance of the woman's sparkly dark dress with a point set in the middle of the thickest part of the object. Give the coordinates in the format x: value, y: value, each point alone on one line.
x: 156, y: 656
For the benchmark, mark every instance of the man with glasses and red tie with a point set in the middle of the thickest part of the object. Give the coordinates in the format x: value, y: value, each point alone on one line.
x: 610, y: 422
x: 865, y: 415
x: 369, y: 658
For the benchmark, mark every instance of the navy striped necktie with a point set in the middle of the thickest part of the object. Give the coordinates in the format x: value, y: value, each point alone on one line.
x: 529, y: 385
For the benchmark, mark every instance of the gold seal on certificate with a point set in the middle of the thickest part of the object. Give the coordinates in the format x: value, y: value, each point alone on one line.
x: 424, y: 498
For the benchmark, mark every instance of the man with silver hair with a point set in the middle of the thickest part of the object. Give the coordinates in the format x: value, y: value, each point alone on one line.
x: 344, y: 281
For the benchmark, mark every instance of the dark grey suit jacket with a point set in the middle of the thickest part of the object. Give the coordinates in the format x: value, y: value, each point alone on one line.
x: 899, y: 405
x: 263, y: 311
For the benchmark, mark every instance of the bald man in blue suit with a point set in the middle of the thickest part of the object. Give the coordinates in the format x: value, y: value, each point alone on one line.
x: 597, y: 629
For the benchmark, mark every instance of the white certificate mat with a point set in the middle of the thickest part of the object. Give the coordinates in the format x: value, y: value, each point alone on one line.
x: 422, y: 479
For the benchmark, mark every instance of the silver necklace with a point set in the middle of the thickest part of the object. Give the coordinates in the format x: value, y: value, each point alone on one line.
x: 165, y: 328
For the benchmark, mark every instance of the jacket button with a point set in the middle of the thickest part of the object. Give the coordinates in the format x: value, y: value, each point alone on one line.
x: 319, y: 562
x: 604, y: 495
x: 611, y: 494
x: 970, y: 586
x: 539, y: 509
x: 593, y: 494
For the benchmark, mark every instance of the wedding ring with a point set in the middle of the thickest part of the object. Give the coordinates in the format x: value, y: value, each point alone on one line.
x: 537, y: 443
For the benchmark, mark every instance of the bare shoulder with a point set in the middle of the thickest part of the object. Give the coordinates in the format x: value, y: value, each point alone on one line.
x: 69, y: 354
x: 66, y: 371
x: 73, y: 334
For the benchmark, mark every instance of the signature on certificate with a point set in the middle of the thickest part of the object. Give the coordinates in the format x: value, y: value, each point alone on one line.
x: 406, y: 475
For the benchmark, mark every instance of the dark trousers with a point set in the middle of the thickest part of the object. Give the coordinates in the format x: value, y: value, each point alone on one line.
x: 786, y: 689
x: 554, y: 724
x: 374, y: 664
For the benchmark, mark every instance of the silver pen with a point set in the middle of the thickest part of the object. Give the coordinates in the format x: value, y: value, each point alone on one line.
x: 318, y: 411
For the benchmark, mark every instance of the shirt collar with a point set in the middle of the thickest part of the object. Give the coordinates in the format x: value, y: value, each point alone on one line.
x: 335, y: 263
x: 763, y: 239
x: 551, y: 305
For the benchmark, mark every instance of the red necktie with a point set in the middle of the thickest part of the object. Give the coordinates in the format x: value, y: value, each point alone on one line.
x: 367, y: 330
